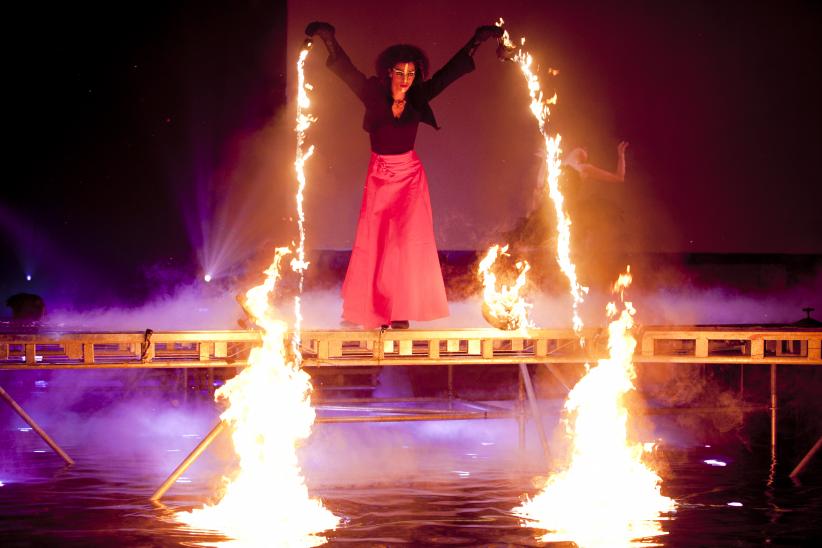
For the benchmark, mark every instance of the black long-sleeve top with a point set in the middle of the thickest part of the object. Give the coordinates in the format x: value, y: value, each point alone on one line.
x: 390, y: 135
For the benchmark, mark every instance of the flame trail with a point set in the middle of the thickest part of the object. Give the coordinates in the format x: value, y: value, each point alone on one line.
x: 607, y: 496
x: 540, y: 108
x: 269, y: 410
x: 503, y: 308
x: 304, y: 121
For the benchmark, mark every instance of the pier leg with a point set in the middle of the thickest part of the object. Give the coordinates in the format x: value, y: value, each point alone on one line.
x: 532, y: 401
x: 189, y: 460
x: 773, y: 407
x: 34, y: 426
x: 521, y: 412
x: 807, y: 458
x: 450, y: 386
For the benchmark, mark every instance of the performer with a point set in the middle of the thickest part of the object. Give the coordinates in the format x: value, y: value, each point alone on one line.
x: 577, y: 160
x: 394, y: 274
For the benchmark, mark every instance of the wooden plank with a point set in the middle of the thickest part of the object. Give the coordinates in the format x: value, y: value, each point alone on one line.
x: 4, y: 351
x: 434, y: 348
x: 452, y: 345
x: 815, y: 349
x: 322, y: 350
x: 387, y: 347
x: 406, y: 348
x: 88, y: 353
x: 701, y: 349
x: 74, y: 351
x: 31, y: 355
x: 647, y: 345
x: 220, y: 349
x: 474, y: 347
x: 487, y: 348
x: 206, y: 348
x: 541, y: 349
x: 757, y: 348
x: 517, y: 345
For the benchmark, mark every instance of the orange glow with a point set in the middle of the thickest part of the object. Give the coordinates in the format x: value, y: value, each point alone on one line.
x: 269, y: 411
x: 504, y: 308
x: 607, y: 495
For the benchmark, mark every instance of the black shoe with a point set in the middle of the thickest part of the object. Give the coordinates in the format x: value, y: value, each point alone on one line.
x: 399, y: 324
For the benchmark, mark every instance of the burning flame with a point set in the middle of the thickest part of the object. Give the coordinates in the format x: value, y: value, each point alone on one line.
x: 606, y: 496
x: 503, y: 308
x: 541, y: 110
x: 304, y: 121
x: 269, y: 409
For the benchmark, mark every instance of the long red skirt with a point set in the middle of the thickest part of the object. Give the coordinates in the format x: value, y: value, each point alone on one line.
x: 394, y: 273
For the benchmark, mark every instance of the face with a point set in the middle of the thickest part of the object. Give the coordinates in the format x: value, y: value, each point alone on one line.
x: 402, y: 76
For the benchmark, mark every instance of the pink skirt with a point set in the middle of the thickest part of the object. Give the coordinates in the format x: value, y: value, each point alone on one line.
x: 394, y: 273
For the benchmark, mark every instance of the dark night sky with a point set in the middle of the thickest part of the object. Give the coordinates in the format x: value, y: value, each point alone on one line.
x: 131, y: 126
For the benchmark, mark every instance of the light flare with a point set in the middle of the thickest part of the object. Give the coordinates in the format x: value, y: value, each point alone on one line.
x: 503, y: 308
x: 269, y: 411
x: 606, y: 495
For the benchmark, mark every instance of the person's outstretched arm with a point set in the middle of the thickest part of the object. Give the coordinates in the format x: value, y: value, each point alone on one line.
x: 592, y: 172
x: 338, y: 60
x: 461, y: 64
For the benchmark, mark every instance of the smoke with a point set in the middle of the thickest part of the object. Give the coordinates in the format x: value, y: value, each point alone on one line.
x: 192, y: 306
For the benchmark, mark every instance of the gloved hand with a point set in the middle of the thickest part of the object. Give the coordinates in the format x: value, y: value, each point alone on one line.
x: 320, y: 28
x: 485, y: 32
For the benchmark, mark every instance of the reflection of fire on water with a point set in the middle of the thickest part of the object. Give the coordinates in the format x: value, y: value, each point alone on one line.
x: 606, y: 496
x: 269, y: 410
x: 503, y: 308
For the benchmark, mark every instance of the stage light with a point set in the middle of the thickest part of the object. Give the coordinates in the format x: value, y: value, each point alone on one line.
x: 28, y: 277
x: 207, y: 278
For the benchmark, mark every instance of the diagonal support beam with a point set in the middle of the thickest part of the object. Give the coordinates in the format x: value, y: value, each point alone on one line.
x: 36, y: 427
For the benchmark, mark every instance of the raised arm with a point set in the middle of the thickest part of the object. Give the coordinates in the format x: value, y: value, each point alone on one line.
x: 338, y: 60
x: 592, y: 172
x: 460, y: 64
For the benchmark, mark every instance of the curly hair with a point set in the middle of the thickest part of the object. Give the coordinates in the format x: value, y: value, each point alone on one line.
x: 402, y: 53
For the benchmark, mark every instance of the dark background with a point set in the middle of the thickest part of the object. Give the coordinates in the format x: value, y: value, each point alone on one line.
x: 150, y: 142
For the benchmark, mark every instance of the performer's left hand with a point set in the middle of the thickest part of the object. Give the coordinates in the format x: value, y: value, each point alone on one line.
x: 485, y: 32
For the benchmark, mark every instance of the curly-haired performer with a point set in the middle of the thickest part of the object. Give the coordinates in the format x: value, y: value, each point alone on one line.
x: 394, y: 274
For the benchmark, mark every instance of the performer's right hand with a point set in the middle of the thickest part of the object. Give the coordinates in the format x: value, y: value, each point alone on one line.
x: 320, y: 28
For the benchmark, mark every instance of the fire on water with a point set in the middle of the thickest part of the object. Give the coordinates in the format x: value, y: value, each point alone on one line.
x: 607, y: 495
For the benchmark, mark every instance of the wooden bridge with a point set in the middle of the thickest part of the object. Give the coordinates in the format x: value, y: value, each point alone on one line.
x: 341, y: 354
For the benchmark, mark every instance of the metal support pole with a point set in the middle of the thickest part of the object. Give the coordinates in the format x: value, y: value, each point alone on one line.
x: 807, y: 458
x: 773, y: 411
x: 521, y: 412
x: 185, y: 385
x: 741, y: 381
x: 558, y: 376
x: 532, y: 400
x: 36, y: 427
x: 450, y: 385
x: 189, y: 460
